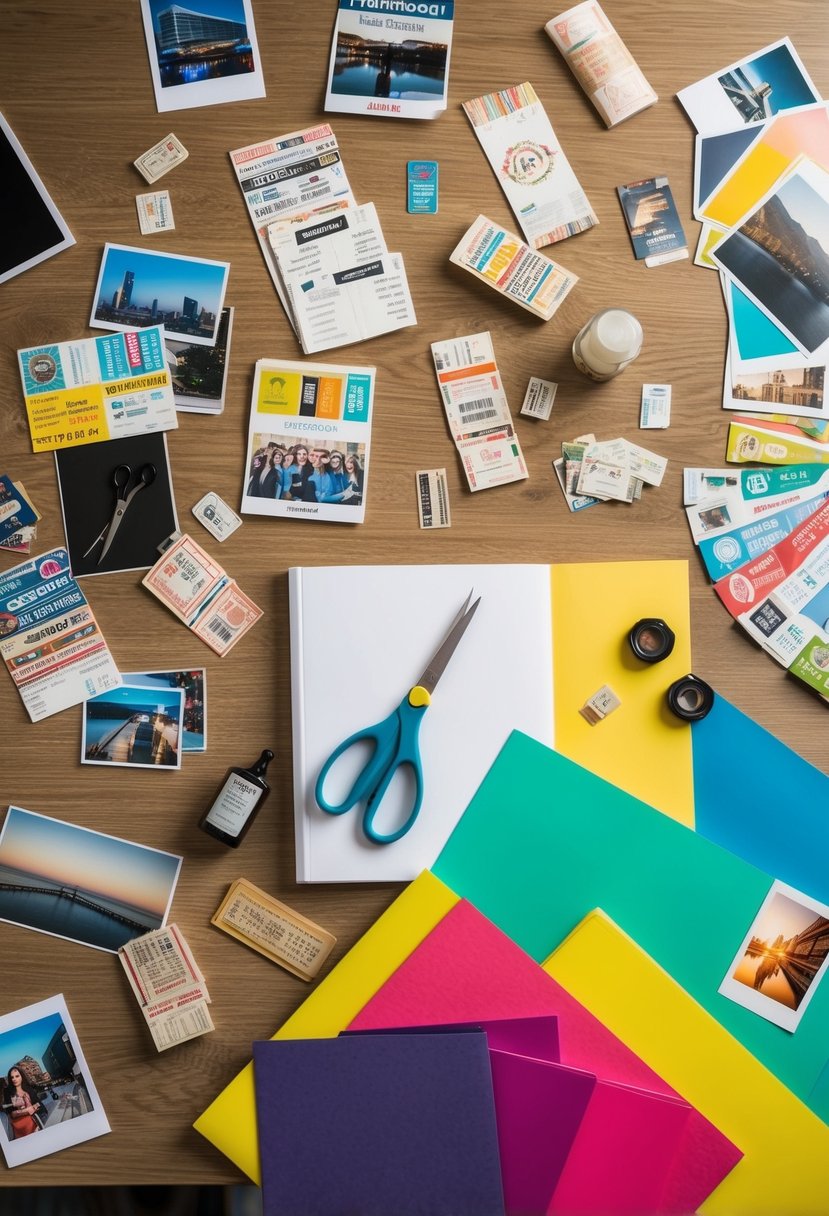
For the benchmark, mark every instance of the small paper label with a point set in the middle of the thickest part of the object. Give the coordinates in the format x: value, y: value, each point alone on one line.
x: 433, y: 498
x: 155, y: 212
x: 161, y: 158
x: 214, y: 513
x: 422, y: 187
x: 655, y: 413
x: 539, y: 398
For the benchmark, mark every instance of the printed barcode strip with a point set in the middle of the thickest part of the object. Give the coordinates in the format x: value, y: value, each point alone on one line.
x: 218, y: 627
x: 443, y: 513
x: 478, y: 410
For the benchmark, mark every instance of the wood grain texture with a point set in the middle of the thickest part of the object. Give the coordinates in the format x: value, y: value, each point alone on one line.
x: 75, y: 86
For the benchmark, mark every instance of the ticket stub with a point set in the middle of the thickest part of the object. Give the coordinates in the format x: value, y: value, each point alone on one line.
x: 647, y: 466
x: 155, y: 212
x: 433, y: 498
x: 273, y: 929
x: 161, y: 158
x: 600, y: 705
x: 539, y: 398
x: 575, y: 502
x: 605, y: 471
x: 184, y: 577
x: 168, y: 986
x: 422, y: 187
x: 214, y: 513
x: 226, y: 619
x: 655, y: 412
x: 159, y: 965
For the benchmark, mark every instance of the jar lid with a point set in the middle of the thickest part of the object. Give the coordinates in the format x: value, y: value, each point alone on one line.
x: 617, y: 335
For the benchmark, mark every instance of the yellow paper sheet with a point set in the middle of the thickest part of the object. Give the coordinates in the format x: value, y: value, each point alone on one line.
x: 786, y: 1147
x: 640, y: 747
x: 230, y: 1120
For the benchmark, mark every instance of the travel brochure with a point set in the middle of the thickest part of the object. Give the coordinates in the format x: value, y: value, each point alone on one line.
x: 309, y: 438
x: 532, y: 169
x: 95, y: 389
x: 390, y: 59
x: 50, y: 642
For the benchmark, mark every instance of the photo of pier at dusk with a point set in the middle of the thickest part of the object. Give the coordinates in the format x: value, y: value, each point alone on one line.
x: 73, y: 883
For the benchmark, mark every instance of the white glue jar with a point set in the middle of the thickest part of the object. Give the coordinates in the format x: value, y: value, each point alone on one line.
x: 607, y: 343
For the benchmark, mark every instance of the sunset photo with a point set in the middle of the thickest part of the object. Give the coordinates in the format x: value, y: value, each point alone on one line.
x: 70, y: 882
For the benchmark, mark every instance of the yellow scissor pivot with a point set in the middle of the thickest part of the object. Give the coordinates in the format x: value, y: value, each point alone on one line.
x: 419, y: 696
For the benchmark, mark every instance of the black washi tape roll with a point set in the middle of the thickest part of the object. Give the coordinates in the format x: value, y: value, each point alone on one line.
x: 690, y: 698
x: 651, y: 640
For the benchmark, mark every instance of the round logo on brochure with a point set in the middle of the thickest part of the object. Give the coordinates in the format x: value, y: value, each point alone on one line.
x: 42, y: 368
x: 741, y: 588
x: 528, y: 163
x: 726, y: 550
x: 820, y: 657
x: 49, y: 568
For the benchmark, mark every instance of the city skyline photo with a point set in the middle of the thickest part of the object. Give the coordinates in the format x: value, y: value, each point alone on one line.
x: 140, y: 287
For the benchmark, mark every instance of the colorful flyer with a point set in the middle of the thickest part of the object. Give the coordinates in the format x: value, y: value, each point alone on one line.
x: 308, y: 441
x: 97, y: 388
x: 50, y: 642
x: 500, y: 258
x: 653, y: 221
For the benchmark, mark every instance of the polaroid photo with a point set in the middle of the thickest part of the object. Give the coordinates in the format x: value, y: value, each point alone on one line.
x: 49, y: 1101
x: 140, y: 287
x: 782, y: 959
x: 202, y: 56
x: 778, y: 255
x: 199, y: 373
x: 134, y: 726
x: 83, y: 886
x: 193, y: 684
x: 775, y: 386
x: 33, y: 228
x: 751, y: 90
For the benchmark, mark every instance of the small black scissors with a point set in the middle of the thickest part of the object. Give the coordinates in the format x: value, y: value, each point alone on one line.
x: 121, y: 478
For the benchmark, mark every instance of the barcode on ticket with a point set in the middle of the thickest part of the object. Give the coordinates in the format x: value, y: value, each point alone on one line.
x: 433, y: 498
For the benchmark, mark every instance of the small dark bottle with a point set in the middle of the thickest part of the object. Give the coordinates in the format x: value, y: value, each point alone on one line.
x: 237, y: 802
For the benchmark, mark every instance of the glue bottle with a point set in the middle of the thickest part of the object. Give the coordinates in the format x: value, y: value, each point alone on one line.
x: 607, y: 343
x: 237, y: 802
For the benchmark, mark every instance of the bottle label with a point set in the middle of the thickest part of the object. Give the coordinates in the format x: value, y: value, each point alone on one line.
x: 235, y: 802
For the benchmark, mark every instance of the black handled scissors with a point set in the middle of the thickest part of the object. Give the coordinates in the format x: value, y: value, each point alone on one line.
x: 122, y: 479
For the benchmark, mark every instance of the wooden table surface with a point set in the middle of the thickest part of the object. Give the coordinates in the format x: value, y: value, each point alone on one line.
x: 75, y: 87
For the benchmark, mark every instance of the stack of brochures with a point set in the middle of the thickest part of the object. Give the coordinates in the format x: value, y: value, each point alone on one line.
x: 327, y: 257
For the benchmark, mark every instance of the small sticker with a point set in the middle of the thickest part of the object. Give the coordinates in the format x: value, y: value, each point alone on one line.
x: 214, y: 513
x: 422, y: 187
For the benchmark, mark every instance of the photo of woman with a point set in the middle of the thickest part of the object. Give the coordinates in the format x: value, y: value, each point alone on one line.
x: 20, y: 1105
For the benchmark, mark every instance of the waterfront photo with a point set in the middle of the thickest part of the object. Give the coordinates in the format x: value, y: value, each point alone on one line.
x: 779, y: 255
x: 74, y: 883
x: 202, y: 54
x: 48, y: 1098
x: 138, y: 287
x: 782, y: 958
x: 136, y: 725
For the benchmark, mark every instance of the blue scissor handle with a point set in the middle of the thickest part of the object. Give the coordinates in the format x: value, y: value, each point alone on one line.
x: 396, y: 744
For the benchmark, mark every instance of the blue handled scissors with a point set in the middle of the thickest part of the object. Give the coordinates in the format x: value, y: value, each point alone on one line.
x: 121, y: 479
x: 395, y: 742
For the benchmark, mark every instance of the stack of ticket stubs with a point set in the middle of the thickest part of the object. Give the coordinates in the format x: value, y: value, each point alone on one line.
x: 168, y: 986
x: 477, y: 411
x: 590, y: 471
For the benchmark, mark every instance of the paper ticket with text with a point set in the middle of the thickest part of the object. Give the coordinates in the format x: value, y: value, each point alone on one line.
x: 97, y: 388
x: 200, y: 593
x: 50, y: 642
x: 273, y: 929
x: 288, y: 176
x: 532, y: 170
x: 477, y: 411
x: 168, y: 986
x: 505, y: 262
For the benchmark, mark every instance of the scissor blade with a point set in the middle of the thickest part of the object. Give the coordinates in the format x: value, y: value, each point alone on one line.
x: 437, y: 663
x: 115, y: 524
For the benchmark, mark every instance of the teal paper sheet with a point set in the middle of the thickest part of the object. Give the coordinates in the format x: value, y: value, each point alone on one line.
x: 543, y: 842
